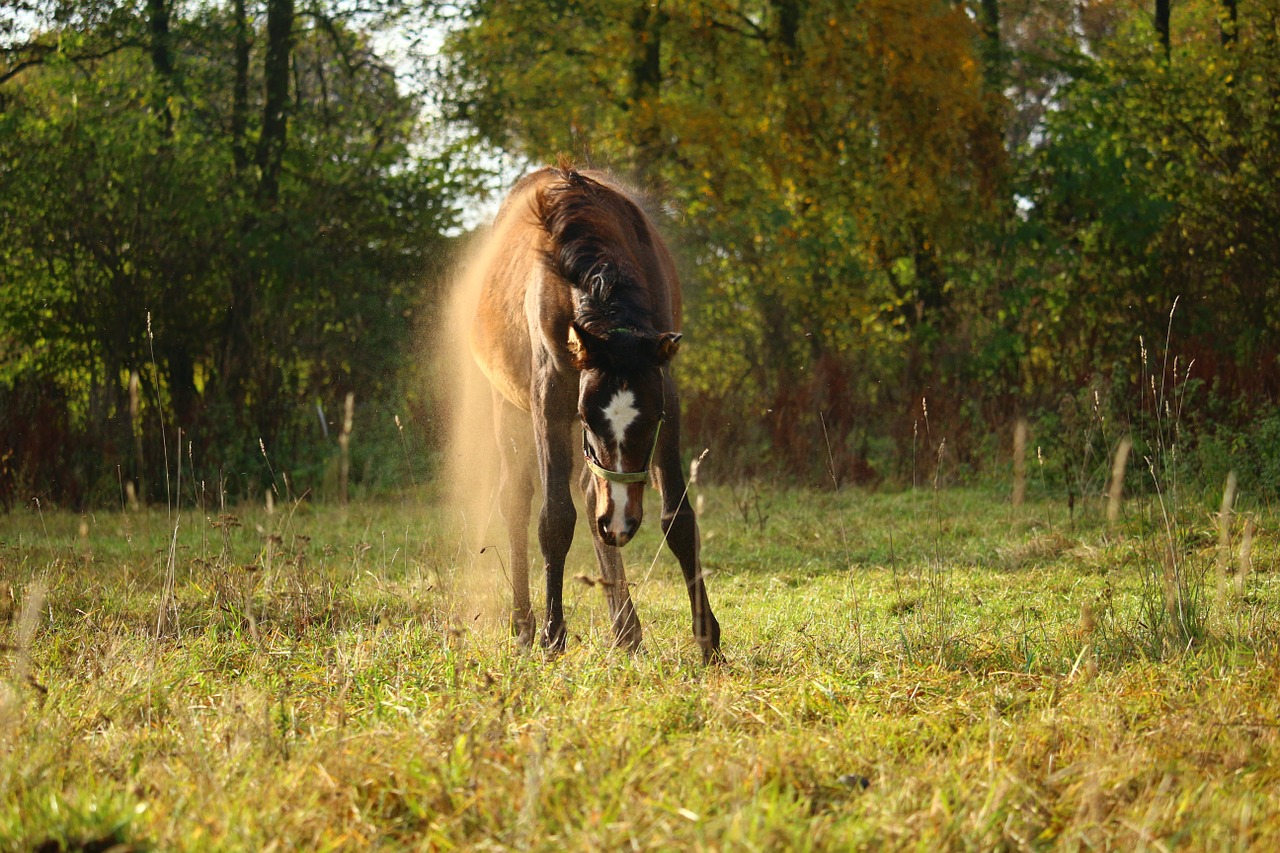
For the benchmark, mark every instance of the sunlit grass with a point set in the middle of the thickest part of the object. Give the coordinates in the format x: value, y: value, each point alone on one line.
x: 919, y: 669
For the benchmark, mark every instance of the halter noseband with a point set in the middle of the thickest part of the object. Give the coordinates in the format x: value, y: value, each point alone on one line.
x: 615, y: 476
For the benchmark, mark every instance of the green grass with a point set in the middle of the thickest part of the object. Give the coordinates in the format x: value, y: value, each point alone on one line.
x: 915, y: 670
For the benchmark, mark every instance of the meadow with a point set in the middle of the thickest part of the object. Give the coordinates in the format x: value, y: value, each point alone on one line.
x: 915, y: 669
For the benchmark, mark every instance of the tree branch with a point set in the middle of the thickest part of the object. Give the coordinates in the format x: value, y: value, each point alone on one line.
x: 43, y: 52
x: 745, y: 27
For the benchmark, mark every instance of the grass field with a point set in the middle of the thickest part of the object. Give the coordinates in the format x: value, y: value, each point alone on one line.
x: 915, y: 670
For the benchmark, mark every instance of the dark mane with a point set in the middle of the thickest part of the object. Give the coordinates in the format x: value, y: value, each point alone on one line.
x: 600, y: 244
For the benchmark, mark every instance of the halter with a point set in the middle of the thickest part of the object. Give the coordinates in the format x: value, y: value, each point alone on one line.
x: 614, y: 476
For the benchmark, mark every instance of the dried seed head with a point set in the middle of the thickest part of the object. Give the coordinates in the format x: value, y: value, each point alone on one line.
x: 1088, y: 623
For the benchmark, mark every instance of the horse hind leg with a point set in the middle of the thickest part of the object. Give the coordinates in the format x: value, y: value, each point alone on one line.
x: 622, y: 612
x: 516, y: 489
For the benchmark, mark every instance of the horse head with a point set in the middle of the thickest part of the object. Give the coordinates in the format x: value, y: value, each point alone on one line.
x: 621, y: 402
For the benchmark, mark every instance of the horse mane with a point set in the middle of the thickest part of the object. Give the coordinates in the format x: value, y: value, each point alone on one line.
x: 599, y: 244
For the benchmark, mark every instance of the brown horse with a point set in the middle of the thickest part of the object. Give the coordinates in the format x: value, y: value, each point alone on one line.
x: 578, y: 319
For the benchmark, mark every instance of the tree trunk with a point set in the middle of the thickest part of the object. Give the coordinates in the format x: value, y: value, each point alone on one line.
x: 275, y: 109
x: 182, y: 385
x: 1229, y: 22
x: 240, y: 90
x: 239, y: 355
x: 992, y: 51
x: 990, y: 151
x: 161, y: 37
x: 788, y: 17
x: 236, y: 340
x: 646, y: 86
x: 161, y: 60
x: 1162, y: 25
x: 1234, y: 108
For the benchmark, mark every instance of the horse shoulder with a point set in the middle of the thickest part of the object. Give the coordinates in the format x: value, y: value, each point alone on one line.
x: 548, y: 311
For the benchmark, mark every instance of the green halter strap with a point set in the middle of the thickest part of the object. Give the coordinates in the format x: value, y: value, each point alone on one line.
x: 614, y: 476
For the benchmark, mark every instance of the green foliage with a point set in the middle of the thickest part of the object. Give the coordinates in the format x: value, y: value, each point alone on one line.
x: 980, y: 209
x: 817, y: 161
x: 138, y: 236
x: 902, y: 224
x: 1151, y: 185
x: 1252, y: 451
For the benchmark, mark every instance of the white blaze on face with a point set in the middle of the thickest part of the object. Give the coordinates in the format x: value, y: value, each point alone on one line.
x: 617, y: 518
x: 620, y: 414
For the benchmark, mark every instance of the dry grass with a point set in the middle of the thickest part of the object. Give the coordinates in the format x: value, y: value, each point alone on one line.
x: 325, y: 683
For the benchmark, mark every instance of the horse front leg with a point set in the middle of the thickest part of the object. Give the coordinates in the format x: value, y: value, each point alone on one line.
x: 622, y: 612
x: 555, y: 534
x: 680, y: 530
x: 555, y: 524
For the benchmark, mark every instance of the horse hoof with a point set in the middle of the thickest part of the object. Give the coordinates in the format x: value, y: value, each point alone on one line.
x: 523, y: 632
x: 630, y: 644
x: 627, y: 634
x: 554, y: 643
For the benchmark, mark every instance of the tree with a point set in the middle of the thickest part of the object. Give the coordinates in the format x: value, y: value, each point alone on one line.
x: 823, y: 160
x: 232, y: 214
x: 1162, y: 25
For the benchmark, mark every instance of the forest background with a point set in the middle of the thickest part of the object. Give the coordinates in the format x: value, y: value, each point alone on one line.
x: 903, y: 226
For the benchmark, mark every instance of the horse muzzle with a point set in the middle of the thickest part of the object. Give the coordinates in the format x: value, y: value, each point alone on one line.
x: 617, y: 533
x: 618, y: 512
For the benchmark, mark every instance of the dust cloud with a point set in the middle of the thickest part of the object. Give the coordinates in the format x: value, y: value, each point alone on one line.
x: 470, y: 472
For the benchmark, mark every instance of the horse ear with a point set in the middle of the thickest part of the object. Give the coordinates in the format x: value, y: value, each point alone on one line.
x: 584, y: 347
x: 668, y: 344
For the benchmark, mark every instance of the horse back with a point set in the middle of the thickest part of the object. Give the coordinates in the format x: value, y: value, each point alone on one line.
x: 526, y: 304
